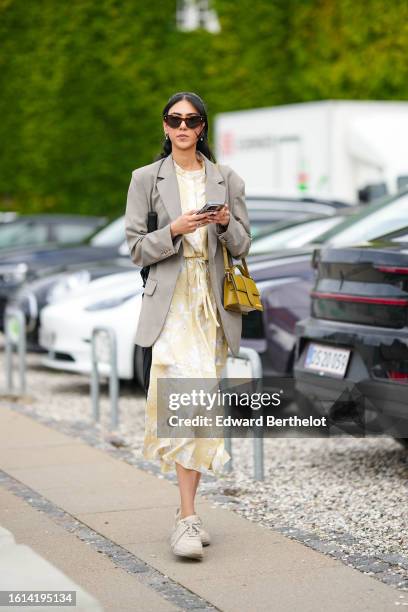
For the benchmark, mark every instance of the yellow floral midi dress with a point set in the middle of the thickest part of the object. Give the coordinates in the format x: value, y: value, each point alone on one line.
x: 191, y: 344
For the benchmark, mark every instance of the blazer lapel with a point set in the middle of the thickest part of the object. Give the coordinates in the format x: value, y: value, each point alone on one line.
x: 167, y: 185
x: 215, y: 189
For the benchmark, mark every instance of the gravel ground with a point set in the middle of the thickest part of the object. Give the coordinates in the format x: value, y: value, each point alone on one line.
x: 342, y: 496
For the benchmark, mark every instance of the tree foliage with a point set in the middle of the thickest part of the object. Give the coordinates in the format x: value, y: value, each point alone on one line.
x: 82, y: 84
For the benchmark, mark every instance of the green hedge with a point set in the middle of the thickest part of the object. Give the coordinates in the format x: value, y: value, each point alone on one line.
x: 82, y: 84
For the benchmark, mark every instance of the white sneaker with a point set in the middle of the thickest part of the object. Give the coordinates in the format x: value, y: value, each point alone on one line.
x: 185, y: 539
x: 205, y: 536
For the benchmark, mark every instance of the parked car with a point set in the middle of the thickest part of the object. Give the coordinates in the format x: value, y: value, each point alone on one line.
x: 291, y: 235
x: 34, y: 230
x: 263, y: 211
x: 291, y: 277
x: 21, y: 266
x: 352, y: 351
x: 66, y: 327
x: 284, y: 281
x: 33, y: 296
x: 24, y: 265
x: 291, y: 274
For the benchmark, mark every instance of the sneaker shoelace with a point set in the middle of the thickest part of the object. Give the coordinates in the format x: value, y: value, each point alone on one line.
x: 197, y: 521
x: 193, y: 529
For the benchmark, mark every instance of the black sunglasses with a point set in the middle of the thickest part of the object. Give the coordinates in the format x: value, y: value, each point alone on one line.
x: 174, y: 121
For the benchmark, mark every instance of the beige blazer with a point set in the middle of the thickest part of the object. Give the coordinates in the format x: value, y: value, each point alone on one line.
x: 164, y: 255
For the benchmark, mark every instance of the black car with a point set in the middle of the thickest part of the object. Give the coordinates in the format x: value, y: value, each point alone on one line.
x: 351, y: 360
x: 35, y: 230
x: 20, y: 266
x: 286, y: 297
x: 284, y: 280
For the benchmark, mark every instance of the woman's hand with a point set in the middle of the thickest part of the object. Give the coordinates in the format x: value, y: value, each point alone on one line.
x: 220, y: 216
x: 188, y: 222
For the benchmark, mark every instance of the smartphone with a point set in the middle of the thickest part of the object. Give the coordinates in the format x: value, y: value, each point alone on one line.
x: 210, y: 207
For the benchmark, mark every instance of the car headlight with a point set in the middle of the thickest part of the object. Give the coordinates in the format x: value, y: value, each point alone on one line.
x: 13, y: 274
x: 67, y: 285
x: 111, y: 302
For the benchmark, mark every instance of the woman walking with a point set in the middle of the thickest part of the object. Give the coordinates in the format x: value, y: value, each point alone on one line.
x: 182, y: 316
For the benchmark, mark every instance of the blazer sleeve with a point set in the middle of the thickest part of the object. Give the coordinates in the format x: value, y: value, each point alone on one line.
x: 145, y: 247
x: 237, y: 235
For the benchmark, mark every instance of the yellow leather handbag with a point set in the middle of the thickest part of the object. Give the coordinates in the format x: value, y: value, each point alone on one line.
x: 240, y: 291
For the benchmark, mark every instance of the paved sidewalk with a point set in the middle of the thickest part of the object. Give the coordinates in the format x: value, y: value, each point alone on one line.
x: 92, y: 502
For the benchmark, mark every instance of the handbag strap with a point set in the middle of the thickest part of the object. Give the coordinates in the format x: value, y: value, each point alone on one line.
x: 228, y: 265
x: 227, y: 258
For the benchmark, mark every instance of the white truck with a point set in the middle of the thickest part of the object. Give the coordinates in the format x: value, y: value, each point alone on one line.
x: 344, y: 150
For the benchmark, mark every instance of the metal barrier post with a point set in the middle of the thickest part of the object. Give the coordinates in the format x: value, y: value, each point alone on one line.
x: 15, y: 335
x: 94, y: 380
x: 258, y: 443
x: 227, y: 438
x: 114, y: 382
x: 113, y: 374
x: 228, y: 448
x: 252, y: 356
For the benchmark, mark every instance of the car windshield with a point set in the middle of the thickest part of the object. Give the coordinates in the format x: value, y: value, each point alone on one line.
x: 375, y: 220
x: 111, y: 235
x: 293, y: 237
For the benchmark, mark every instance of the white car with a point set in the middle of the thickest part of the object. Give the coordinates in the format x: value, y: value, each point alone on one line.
x: 113, y: 301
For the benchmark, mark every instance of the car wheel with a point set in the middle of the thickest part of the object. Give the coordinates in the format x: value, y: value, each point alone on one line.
x: 402, y: 441
x: 138, y: 366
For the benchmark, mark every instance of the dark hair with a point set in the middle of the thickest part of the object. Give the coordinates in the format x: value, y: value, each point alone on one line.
x: 198, y: 103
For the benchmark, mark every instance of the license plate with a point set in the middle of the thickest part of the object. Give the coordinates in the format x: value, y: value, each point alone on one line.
x: 327, y: 359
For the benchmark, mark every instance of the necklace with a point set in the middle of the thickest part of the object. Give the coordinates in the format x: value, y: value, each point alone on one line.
x: 200, y: 161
